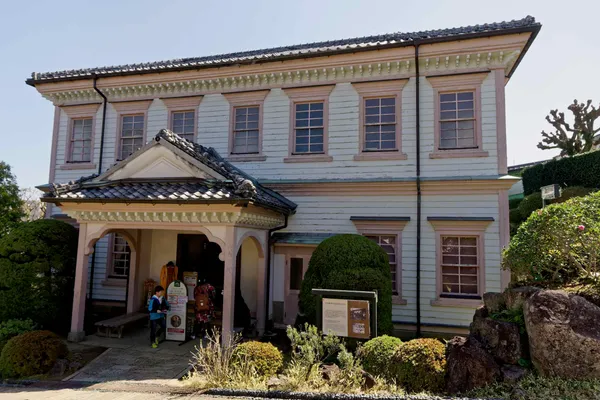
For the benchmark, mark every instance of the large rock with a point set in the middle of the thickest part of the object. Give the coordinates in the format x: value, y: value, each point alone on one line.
x: 494, y: 302
x: 515, y: 298
x: 564, y: 334
x: 501, y: 339
x: 468, y: 365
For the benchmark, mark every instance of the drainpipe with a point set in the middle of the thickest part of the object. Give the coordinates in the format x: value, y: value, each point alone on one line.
x: 91, y: 290
x: 418, y: 131
x: 268, y: 262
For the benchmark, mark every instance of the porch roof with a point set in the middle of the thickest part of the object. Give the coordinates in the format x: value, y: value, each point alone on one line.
x: 236, y: 187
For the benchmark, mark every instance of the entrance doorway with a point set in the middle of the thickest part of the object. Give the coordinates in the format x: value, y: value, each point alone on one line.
x: 296, y: 264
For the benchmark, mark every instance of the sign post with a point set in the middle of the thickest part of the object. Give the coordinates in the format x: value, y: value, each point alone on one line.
x: 550, y: 192
x: 347, y: 313
x: 177, y: 297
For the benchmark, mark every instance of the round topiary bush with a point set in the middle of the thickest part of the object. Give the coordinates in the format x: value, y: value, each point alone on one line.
x: 420, y: 365
x: 37, y: 271
x: 558, y: 244
x: 12, y: 328
x: 264, y: 357
x: 529, y: 204
x: 377, y: 355
x: 32, y: 353
x: 350, y: 262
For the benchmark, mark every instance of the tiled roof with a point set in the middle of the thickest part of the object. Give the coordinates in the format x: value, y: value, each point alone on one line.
x: 238, y: 186
x: 296, y: 51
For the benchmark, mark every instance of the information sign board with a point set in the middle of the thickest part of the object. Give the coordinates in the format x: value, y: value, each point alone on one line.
x: 177, y: 297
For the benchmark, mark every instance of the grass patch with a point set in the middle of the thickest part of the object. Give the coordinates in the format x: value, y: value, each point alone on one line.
x: 538, y: 388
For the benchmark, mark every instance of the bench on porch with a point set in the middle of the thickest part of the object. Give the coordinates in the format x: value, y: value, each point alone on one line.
x: 117, y: 324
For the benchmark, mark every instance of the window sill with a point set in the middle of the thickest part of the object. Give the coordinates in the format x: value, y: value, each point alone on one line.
x: 380, y: 155
x: 304, y: 158
x: 246, y: 157
x: 458, y: 153
x: 114, y: 282
x: 449, y: 302
x: 77, y: 166
x: 399, y: 301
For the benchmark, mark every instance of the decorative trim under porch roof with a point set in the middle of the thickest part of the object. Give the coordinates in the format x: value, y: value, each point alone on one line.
x: 300, y: 238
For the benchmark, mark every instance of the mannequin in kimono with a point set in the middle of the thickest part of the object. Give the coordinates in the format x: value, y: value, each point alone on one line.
x: 168, y: 274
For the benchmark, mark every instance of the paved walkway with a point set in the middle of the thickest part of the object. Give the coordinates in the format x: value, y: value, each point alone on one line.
x: 131, y: 359
x: 87, y: 394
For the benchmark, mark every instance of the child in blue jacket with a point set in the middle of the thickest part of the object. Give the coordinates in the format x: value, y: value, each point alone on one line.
x: 158, y: 307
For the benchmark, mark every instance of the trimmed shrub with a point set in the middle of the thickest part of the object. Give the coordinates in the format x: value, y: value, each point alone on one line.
x: 558, y: 244
x: 420, y: 365
x: 264, y: 357
x: 12, y: 328
x: 530, y: 204
x: 571, y: 192
x: 581, y: 170
x: 514, y: 203
x: 32, y: 353
x: 37, y: 270
x: 350, y: 262
x: 377, y: 354
x: 514, y: 216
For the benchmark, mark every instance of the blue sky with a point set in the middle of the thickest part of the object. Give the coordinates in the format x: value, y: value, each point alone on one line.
x: 43, y: 36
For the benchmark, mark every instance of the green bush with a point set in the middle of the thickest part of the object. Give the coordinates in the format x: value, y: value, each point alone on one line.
x: 514, y: 203
x: 420, y: 365
x: 350, y: 262
x: 571, y: 192
x: 37, y: 269
x: 265, y: 358
x: 514, y: 216
x: 377, y: 354
x: 32, y: 353
x: 581, y: 170
x: 558, y: 244
x: 530, y: 204
x: 12, y: 328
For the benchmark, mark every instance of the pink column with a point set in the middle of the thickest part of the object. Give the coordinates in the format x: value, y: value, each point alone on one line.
x: 77, y: 333
x: 261, y: 289
x: 229, y: 283
x: 504, y: 222
x: 132, y: 300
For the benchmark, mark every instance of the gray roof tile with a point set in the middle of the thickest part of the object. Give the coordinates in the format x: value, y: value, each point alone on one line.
x: 296, y: 51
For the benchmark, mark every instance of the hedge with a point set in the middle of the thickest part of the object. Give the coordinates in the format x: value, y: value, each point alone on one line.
x: 581, y: 170
x: 350, y: 262
x: 377, y: 355
x: 32, y: 353
x: 264, y: 357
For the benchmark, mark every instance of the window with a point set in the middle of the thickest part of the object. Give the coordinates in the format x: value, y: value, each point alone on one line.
x: 183, y: 123
x: 388, y: 244
x: 308, y: 128
x: 296, y: 272
x: 132, y: 134
x: 80, y: 149
x: 245, y: 130
x: 460, y: 266
x: 309, y: 116
x: 387, y: 233
x: 380, y: 124
x: 457, y: 120
x: 460, y: 260
x: 457, y: 116
x: 121, y: 256
x: 380, y: 120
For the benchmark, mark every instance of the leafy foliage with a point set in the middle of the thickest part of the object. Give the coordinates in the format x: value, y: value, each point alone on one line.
x: 265, y: 358
x: 33, y: 207
x: 558, y: 244
x: 514, y: 203
x: 11, y: 210
x: 511, y: 315
x: 37, y: 269
x: 12, y: 328
x: 32, y: 353
x: 377, y: 355
x: 571, y: 192
x: 420, y: 365
x: 350, y: 262
x: 310, y: 347
x: 575, y: 139
x: 530, y: 204
x: 581, y: 170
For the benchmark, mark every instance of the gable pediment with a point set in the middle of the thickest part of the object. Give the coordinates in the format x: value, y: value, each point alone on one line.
x: 159, y: 162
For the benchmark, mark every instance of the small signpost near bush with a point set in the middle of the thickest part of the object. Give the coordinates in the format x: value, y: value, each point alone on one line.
x: 347, y: 313
x: 550, y: 192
